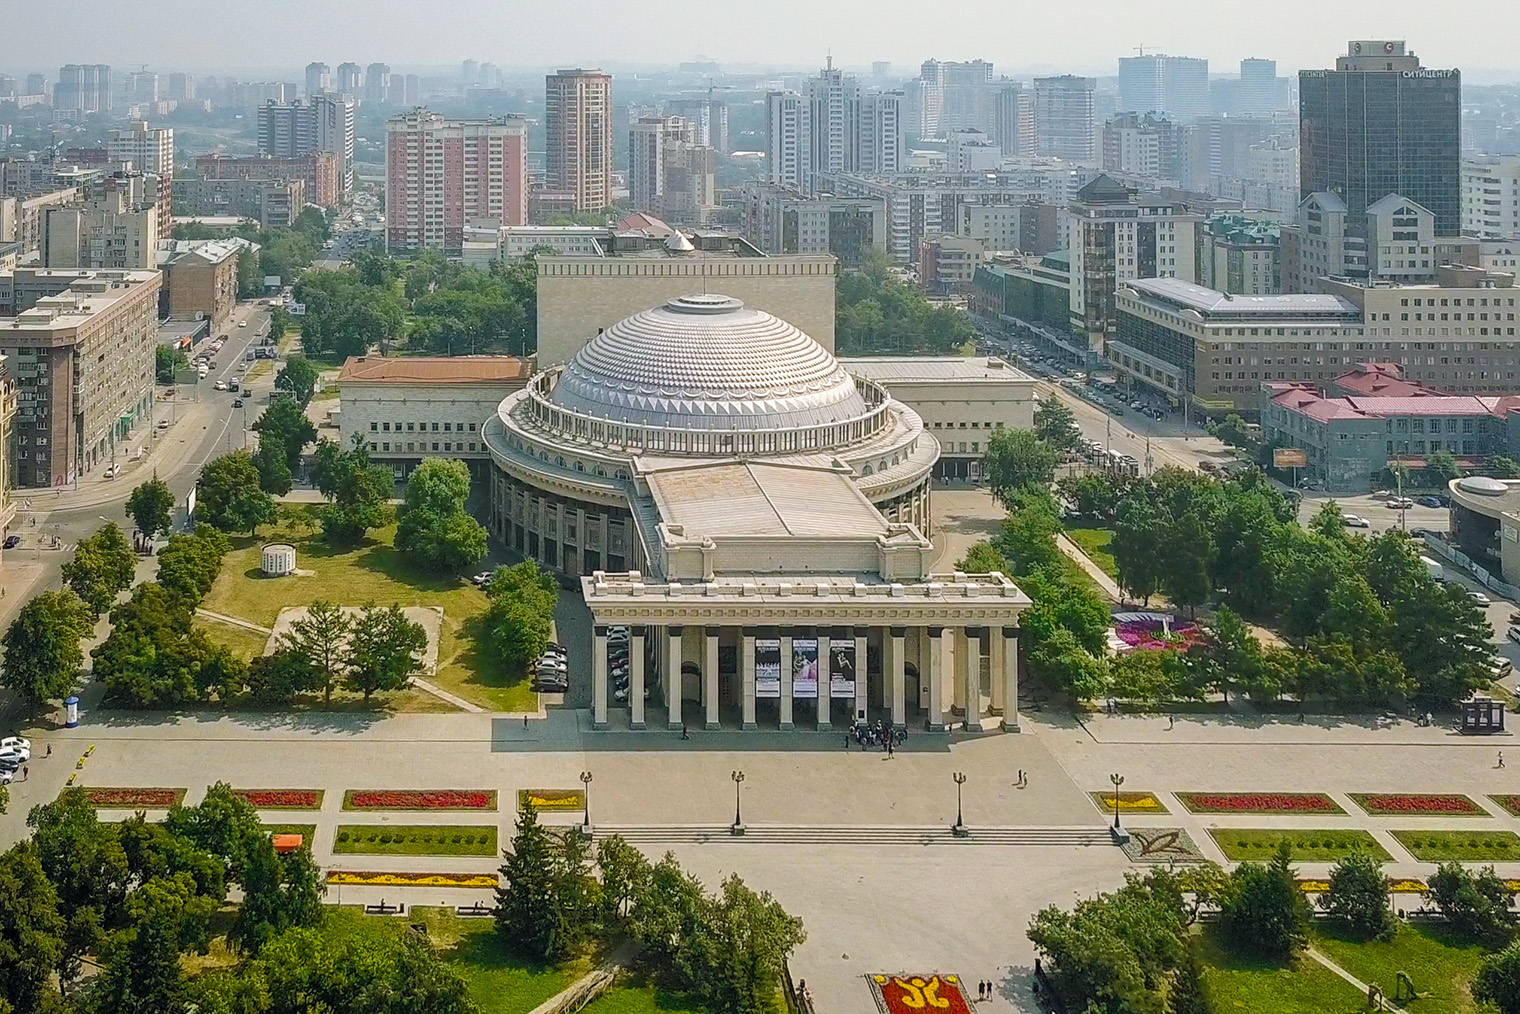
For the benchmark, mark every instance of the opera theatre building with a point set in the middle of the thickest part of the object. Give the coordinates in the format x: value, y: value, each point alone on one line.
x: 751, y: 521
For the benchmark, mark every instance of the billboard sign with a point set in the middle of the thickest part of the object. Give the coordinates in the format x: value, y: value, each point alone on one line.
x: 842, y: 669
x: 805, y: 667
x: 768, y: 667
x: 1289, y: 457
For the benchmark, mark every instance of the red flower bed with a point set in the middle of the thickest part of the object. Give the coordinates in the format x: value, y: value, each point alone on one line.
x: 1258, y: 802
x: 436, y: 799
x: 1510, y: 803
x: 1401, y: 803
x: 281, y: 799
x: 122, y: 798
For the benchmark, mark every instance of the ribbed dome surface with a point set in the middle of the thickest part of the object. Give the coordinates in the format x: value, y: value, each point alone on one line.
x: 707, y: 362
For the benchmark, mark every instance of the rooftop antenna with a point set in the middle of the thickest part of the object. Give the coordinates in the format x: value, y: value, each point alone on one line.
x: 830, y: 52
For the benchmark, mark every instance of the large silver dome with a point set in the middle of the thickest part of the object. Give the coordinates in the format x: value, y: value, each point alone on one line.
x: 706, y: 362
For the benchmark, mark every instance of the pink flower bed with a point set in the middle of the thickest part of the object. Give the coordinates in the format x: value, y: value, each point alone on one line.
x: 1150, y: 633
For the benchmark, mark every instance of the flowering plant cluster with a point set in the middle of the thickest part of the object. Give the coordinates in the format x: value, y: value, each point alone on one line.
x: 282, y: 799
x: 1510, y: 803
x: 413, y: 879
x: 1258, y: 802
x: 422, y: 799
x: 1129, y: 802
x: 135, y: 797
x: 1406, y: 804
x: 1152, y: 634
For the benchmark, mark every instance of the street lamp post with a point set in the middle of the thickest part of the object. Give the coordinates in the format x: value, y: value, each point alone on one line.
x: 1118, y: 780
x: 959, y: 828
x: 738, y: 825
x: 586, y: 799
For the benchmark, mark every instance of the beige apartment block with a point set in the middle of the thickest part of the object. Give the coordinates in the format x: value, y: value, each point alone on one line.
x: 83, y: 363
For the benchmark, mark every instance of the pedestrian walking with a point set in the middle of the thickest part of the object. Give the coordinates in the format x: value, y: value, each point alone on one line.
x: 1171, y: 721
x: 50, y: 750
x: 981, y: 989
x: 684, y: 733
x: 525, y: 720
x: 26, y: 774
x: 847, y: 741
x: 1501, y: 758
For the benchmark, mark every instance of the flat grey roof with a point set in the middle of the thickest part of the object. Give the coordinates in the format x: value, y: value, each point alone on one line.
x: 1211, y: 303
x: 758, y: 498
x: 886, y: 369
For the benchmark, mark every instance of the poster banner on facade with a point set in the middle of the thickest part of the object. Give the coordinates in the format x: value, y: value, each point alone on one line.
x: 767, y: 667
x: 1290, y: 457
x: 842, y: 669
x: 804, y: 667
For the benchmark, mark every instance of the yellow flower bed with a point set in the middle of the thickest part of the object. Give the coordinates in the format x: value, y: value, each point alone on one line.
x: 1129, y: 802
x: 1396, y: 885
x: 412, y: 879
x: 552, y: 799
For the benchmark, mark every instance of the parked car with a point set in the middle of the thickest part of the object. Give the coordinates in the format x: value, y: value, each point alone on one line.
x: 12, y: 757
x: 18, y: 743
x: 12, y: 541
x: 1356, y: 521
x: 1514, y: 616
x: 163, y: 424
x: 1481, y: 599
x: 482, y: 580
x: 1399, y: 503
x: 7, y: 775
x: 242, y: 323
x: 1430, y: 501
x: 1513, y: 634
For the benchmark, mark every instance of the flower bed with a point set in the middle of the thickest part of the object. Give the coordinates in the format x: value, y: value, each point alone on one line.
x: 1258, y: 802
x: 1155, y: 631
x: 1129, y: 802
x: 134, y: 799
x: 1318, y: 846
x: 1511, y: 804
x: 419, y: 799
x: 415, y: 840
x: 412, y: 879
x: 552, y: 799
x: 1396, y: 885
x: 1405, y: 804
x: 282, y: 799
x: 1461, y: 846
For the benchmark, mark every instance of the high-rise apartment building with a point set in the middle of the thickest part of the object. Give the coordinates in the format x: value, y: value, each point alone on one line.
x: 441, y: 174
x: 150, y: 150
x: 142, y: 86
x: 709, y: 116
x: 1065, y: 117
x: 836, y: 127
x: 118, y: 228
x: 82, y: 356
x: 786, y: 139
x: 951, y: 95
x: 1256, y: 93
x: 1143, y: 144
x: 1177, y: 86
x: 179, y: 87
x: 377, y: 82
x: 1491, y: 197
x: 36, y: 84
x: 1013, y: 119
x: 1378, y: 124
x: 325, y: 123
x: 317, y: 171
x: 83, y: 89
x: 350, y: 80
x: 578, y: 136
x: 318, y: 78
x: 648, y: 138
x: 404, y: 90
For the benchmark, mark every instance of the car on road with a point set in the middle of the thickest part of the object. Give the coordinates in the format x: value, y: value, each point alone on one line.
x: 163, y: 424
x: 220, y: 385
x: 1355, y: 521
x: 1399, y: 503
x: 112, y: 471
x: 242, y: 323
x: 1430, y: 501
x: 1513, y: 633
x: 237, y: 402
x: 1481, y: 599
x: 12, y: 541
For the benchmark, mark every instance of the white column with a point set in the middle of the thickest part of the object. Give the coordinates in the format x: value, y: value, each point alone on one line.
x: 747, y: 674
x: 995, y: 667
x: 923, y: 668
x: 710, y: 679
x: 599, y: 677
x: 962, y: 650
x: 824, y: 698
x: 936, y: 678
x: 897, y: 673
x: 860, y: 676
x: 786, y: 679
x: 673, y: 674
x: 636, y: 676
x: 976, y: 645
x: 1010, y: 677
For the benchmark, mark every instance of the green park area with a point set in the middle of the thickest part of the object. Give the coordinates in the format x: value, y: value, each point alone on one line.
x: 416, y: 840
x: 1461, y: 846
x: 1441, y: 964
x: 1252, y: 984
x: 373, y: 572
x: 1313, y: 846
x: 1097, y: 543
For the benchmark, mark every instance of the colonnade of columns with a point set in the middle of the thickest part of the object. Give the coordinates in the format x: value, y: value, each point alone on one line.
x: 941, y: 677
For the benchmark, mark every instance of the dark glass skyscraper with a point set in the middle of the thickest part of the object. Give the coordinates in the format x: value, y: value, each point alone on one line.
x: 1381, y: 124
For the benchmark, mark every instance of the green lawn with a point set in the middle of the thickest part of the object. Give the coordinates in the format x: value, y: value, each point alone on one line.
x: 1461, y: 846
x: 1440, y: 963
x: 1243, y: 844
x: 416, y: 840
x: 1251, y: 985
x: 374, y: 572
x: 498, y: 982
x: 1096, y: 543
x: 245, y: 644
x: 637, y: 1000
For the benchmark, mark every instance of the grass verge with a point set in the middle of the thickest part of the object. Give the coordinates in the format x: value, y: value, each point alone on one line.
x: 1097, y: 543
x: 416, y: 840
x: 1440, y: 963
x: 1461, y: 846
x: 1244, y: 984
x: 1259, y: 845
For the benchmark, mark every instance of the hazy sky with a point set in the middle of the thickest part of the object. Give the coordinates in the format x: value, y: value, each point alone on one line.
x: 1084, y: 36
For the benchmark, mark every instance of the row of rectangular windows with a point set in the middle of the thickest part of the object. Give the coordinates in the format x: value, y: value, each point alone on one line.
x: 375, y: 427
x: 448, y: 446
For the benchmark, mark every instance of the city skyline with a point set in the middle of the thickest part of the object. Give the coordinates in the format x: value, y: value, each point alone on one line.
x: 1040, y: 37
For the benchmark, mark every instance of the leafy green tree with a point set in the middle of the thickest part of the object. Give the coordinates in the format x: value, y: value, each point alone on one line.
x: 1441, y: 466
x: 42, y: 653
x: 357, y: 492
x: 154, y: 658
x: 520, y: 610
x: 276, y: 678
x: 982, y: 558
x: 280, y: 892
x: 1329, y: 522
x: 189, y: 564
x: 151, y: 507
x: 145, y: 976
x: 31, y: 930
x: 1014, y: 460
x: 275, y: 477
x: 433, y: 527
x: 1135, y: 547
x: 279, y: 324
x: 321, y: 637
x: 528, y: 921
x: 166, y: 360
x: 1264, y: 912
x: 229, y: 495
x: 284, y: 423
x: 1190, y: 992
x: 577, y: 893
x: 1501, y: 466
x: 298, y: 380
x: 1475, y: 903
x: 385, y: 650
x: 1498, y: 980
x: 1028, y: 537
x: 738, y: 963
x: 102, y: 567
x: 1233, y: 431
x: 1358, y: 896
x: 1056, y: 425
x: 625, y: 881
x: 84, y: 861
x: 1094, y: 495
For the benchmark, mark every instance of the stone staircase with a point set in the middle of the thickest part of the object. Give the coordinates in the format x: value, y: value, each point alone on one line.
x: 857, y: 834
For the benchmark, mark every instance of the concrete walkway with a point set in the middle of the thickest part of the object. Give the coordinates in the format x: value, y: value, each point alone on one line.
x: 444, y: 695
x: 233, y: 620
x: 1097, y: 573
x: 1361, y: 986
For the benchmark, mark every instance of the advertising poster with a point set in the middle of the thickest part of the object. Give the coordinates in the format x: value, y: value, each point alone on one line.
x: 767, y: 667
x: 804, y: 667
x: 842, y: 669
